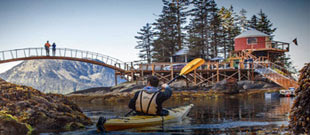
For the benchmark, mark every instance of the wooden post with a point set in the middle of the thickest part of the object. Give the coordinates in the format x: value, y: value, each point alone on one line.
x: 132, y: 76
x: 252, y: 71
x: 248, y: 71
x: 195, y: 77
x: 239, y: 75
x: 212, y: 77
x: 115, y: 75
x: 171, y: 69
x: 153, y: 69
x: 217, y: 72
x: 142, y: 73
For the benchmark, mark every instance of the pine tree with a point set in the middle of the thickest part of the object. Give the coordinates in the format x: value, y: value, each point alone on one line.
x: 198, y: 29
x: 242, y: 21
x: 253, y: 23
x: 230, y: 29
x: 286, y: 62
x: 215, y: 29
x: 145, y: 40
x: 264, y: 24
x: 169, y: 35
x: 181, y: 14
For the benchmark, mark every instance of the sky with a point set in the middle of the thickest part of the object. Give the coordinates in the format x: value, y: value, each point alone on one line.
x: 109, y: 26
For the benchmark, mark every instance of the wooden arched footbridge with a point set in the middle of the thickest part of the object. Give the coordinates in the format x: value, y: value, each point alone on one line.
x: 64, y: 54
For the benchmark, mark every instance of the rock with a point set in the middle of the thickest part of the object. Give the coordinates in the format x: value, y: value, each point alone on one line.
x: 179, y: 84
x: 246, y: 85
x: 300, y: 115
x: 227, y: 86
x: 9, y: 125
x: 232, y: 86
x: 74, y: 126
x: 219, y: 86
x: 32, y: 109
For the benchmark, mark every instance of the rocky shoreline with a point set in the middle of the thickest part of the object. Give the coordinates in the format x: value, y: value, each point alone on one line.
x: 29, y: 111
x: 300, y: 111
x: 124, y: 92
x: 25, y: 110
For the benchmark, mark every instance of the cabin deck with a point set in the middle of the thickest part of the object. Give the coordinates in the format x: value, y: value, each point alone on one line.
x: 207, y: 74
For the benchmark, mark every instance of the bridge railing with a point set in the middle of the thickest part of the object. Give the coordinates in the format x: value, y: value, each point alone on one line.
x: 62, y: 52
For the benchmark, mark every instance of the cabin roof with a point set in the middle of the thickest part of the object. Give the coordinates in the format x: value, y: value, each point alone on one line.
x: 183, y: 51
x: 252, y: 33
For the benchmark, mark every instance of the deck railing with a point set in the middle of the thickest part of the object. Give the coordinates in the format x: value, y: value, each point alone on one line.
x: 279, y: 45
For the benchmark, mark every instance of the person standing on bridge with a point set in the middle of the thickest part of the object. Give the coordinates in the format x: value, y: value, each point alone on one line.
x: 54, y: 49
x: 47, y: 48
x: 149, y: 100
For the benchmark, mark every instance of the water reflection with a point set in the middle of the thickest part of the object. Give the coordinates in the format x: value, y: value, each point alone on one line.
x: 230, y: 114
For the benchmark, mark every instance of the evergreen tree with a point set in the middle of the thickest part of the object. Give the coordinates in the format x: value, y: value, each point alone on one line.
x: 169, y: 36
x: 242, y: 21
x: 198, y: 29
x: 253, y: 23
x: 181, y: 14
x: 264, y: 24
x: 216, y: 30
x: 145, y: 40
x: 230, y: 29
x: 286, y: 62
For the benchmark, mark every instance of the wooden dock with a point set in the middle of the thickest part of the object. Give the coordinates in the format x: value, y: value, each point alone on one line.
x: 213, y: 72
x: 205, y: 75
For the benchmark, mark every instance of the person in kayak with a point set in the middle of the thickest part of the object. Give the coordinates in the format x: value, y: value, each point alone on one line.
x: 149, y: 100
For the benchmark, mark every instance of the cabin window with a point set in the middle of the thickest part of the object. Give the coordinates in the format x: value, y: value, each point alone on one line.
x: 252, y: 40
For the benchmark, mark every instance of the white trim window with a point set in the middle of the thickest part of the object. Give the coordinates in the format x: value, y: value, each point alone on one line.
x: 251, y: 40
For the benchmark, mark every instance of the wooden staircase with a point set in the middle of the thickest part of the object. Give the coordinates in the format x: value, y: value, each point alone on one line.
x: 269, y: 70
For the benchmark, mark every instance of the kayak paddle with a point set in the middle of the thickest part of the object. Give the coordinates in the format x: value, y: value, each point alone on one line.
x: 194, y: 64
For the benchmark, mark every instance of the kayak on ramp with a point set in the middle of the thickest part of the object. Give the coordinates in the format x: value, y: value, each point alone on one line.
x: 138, y: 121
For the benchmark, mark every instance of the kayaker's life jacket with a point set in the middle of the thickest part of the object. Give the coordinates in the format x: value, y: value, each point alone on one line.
x: 146, y: 102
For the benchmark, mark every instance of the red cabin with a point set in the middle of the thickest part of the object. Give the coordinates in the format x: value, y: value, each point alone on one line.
x: 259, y: 44
x: 252, y: 39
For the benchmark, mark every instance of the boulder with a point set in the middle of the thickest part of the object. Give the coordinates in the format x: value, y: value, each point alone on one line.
x: 9, y: 125
x: 42, y: 112
x: 227, y: 86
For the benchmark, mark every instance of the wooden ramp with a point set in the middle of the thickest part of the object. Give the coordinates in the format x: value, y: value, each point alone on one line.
x: 272, y: 72
x: 276, y: 77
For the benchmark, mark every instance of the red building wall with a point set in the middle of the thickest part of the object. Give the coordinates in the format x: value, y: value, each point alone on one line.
x: 241, y: 43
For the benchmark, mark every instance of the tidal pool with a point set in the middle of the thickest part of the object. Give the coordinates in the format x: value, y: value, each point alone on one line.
x: 259, y: 114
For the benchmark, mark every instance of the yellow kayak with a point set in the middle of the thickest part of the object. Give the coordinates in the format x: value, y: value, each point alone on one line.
x: 138, y: 121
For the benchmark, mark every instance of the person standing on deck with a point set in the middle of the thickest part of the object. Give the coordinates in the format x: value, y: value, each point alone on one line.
x: 54, y: 49
x: 148, y: 101
x: 47, y: 48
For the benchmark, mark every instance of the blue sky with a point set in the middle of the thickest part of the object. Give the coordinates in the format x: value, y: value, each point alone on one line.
x: 109, y: 26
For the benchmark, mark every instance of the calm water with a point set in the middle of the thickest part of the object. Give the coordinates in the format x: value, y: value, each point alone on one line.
x: 225, y: 115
